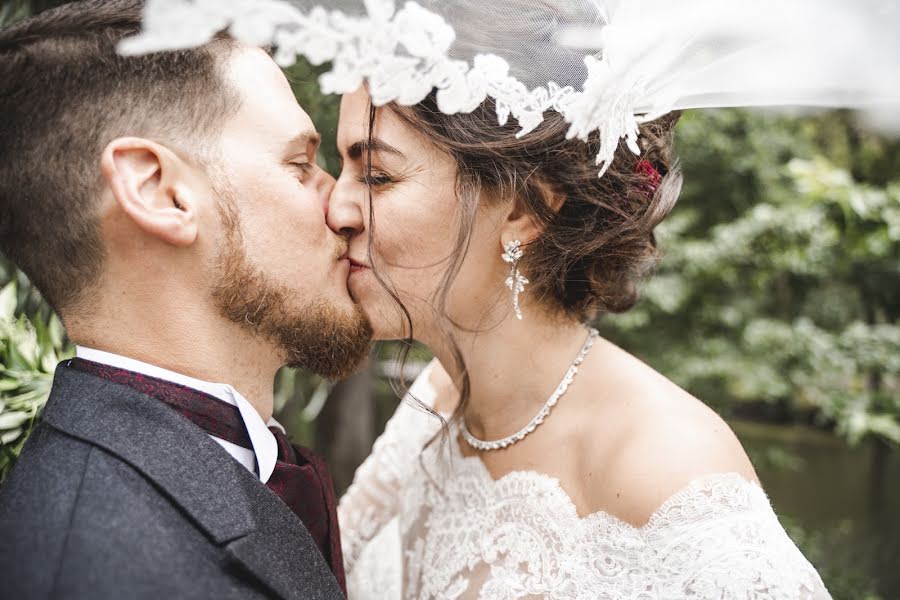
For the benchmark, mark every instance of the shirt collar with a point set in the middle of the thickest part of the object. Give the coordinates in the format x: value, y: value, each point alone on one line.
x: 265, y: 447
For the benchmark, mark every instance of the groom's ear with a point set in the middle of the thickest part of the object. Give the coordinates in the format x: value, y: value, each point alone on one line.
x: 149, y: 183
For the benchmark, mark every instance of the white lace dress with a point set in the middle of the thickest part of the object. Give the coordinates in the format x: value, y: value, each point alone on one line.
x: 422, y: 525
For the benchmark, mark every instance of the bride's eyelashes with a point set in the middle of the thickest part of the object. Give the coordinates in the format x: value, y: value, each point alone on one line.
x: 376, y: 179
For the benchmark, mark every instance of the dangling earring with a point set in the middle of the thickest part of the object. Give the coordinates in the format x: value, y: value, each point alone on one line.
x: 516, y: 281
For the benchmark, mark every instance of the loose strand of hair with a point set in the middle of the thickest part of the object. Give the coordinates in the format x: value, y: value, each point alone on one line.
x: 398, y: 385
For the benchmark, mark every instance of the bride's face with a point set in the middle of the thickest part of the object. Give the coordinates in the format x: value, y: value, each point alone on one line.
x: 413, y: 233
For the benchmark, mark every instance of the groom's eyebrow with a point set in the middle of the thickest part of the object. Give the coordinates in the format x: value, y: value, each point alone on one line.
x: 304, y: 139
x: 356, y: 150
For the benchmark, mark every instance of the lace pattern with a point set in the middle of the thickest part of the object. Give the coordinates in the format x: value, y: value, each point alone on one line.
x: 455, y: 533
x: 374, y: 498
x: 403, y: 54
x: 632, y: 61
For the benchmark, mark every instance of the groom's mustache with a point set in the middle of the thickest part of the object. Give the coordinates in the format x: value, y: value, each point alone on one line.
x: 343, y: 248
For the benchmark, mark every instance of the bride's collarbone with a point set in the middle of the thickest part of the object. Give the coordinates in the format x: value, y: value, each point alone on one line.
x: 571, y: 447
x: 624, y: 456
x: 622, y: 441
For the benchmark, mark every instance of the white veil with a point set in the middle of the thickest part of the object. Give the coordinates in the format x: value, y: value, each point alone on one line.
x: 606, y: 65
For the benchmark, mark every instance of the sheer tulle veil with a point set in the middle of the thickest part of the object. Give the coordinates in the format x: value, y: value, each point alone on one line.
x: 606, y: 65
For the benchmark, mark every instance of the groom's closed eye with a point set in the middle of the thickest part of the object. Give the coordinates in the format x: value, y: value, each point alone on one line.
x: 301, y: 154
x: 304, y: 169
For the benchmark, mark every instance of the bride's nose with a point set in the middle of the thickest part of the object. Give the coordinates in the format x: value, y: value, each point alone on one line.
x: 345, y: 215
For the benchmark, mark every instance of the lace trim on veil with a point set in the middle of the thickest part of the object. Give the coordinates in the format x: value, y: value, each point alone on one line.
x: 403, y: 54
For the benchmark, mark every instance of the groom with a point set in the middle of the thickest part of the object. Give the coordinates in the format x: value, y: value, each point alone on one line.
x: 170, y: 208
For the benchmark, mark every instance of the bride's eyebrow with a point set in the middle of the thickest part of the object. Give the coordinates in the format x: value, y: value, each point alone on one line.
x: 356, y: 150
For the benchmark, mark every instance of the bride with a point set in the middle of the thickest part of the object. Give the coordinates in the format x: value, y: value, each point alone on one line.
x: 571, y: 469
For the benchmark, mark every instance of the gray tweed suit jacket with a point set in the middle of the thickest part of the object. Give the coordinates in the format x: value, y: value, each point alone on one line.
x: 116, y: 495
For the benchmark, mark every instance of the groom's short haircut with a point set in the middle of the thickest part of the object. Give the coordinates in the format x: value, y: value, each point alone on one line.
x: 64, y: 95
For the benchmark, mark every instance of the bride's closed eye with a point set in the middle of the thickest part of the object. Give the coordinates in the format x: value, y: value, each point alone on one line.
x: 358, y: 152
x: 376, y: 179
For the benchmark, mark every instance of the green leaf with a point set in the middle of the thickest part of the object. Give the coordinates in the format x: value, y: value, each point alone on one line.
x: 42, y: 333
x: 317, y: 401
x: 28, y: 400
x: 886, y: 426
x: 10, y: 436
x: 49, y: 360
x: 8, y: 384
x: 18, y: 360
x: 14, y: 359
x: 11, y: 420
x: 8, y: 301
x: 57, y: 333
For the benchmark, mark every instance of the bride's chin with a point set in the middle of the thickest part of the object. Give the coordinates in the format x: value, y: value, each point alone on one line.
x: 386, y: 330
x: 387, y: 319
x: 381, y: 331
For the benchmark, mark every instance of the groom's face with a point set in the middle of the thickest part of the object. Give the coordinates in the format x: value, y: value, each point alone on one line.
x: 279, y: 270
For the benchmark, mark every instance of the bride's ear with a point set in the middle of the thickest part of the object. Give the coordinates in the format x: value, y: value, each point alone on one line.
x: 149, y: 183
x: 522, y: 223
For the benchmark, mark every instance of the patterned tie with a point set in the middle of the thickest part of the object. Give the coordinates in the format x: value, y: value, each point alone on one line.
x: 301, y: 478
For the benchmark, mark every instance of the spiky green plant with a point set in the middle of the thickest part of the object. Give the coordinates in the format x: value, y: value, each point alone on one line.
x: 29, y: 353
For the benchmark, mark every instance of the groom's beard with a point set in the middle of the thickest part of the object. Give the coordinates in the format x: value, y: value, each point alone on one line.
x: 315, y: 335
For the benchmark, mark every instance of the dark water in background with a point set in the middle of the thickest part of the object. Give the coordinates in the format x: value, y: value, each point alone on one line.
x: 814, y: 480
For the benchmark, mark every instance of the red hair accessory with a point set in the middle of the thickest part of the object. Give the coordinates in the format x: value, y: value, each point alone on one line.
x: 652, y: 176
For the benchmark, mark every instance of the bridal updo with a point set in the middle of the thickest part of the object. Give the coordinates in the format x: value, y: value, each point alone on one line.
x: 597, y: 236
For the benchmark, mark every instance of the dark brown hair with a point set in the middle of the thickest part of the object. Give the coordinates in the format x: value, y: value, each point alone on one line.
x: 64, y: 94
x: 596, y: 238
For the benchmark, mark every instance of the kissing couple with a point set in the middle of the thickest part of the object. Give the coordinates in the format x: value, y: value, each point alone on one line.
x: 170, y: 208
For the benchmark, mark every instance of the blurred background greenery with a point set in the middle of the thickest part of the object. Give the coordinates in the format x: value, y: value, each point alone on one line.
x: 777, y: 302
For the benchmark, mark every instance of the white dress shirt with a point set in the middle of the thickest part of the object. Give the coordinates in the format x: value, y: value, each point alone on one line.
x: 261, y: 460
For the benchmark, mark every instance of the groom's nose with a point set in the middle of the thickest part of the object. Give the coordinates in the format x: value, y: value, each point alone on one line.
x: 324, y: 183
x: 344, y: 214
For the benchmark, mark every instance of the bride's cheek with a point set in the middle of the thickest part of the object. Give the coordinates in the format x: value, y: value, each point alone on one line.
x: 398, y: 222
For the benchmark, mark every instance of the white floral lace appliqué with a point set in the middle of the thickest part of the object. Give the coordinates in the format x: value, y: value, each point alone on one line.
x: 446, y: 530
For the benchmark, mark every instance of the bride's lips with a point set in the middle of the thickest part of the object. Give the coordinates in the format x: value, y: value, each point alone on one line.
x: 357, y: 266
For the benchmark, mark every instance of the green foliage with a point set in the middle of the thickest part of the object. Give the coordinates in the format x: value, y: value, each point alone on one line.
x: 781, y: 277
x: 844, y: 579
x: 14, y: 10
x: 300, y: 396
x: 323, y: 110
x: 29, y: 353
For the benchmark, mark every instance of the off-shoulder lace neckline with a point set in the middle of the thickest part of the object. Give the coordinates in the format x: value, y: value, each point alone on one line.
x: 458, y: 532
x: 551, y: 485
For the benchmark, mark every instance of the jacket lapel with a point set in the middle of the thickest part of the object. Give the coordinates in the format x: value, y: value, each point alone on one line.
x: 225, y: 500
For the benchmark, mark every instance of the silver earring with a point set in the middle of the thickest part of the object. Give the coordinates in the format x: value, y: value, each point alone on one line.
x: 516, y: 281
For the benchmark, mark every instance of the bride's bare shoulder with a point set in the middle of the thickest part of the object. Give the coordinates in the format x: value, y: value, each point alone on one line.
x: 664, y: 438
